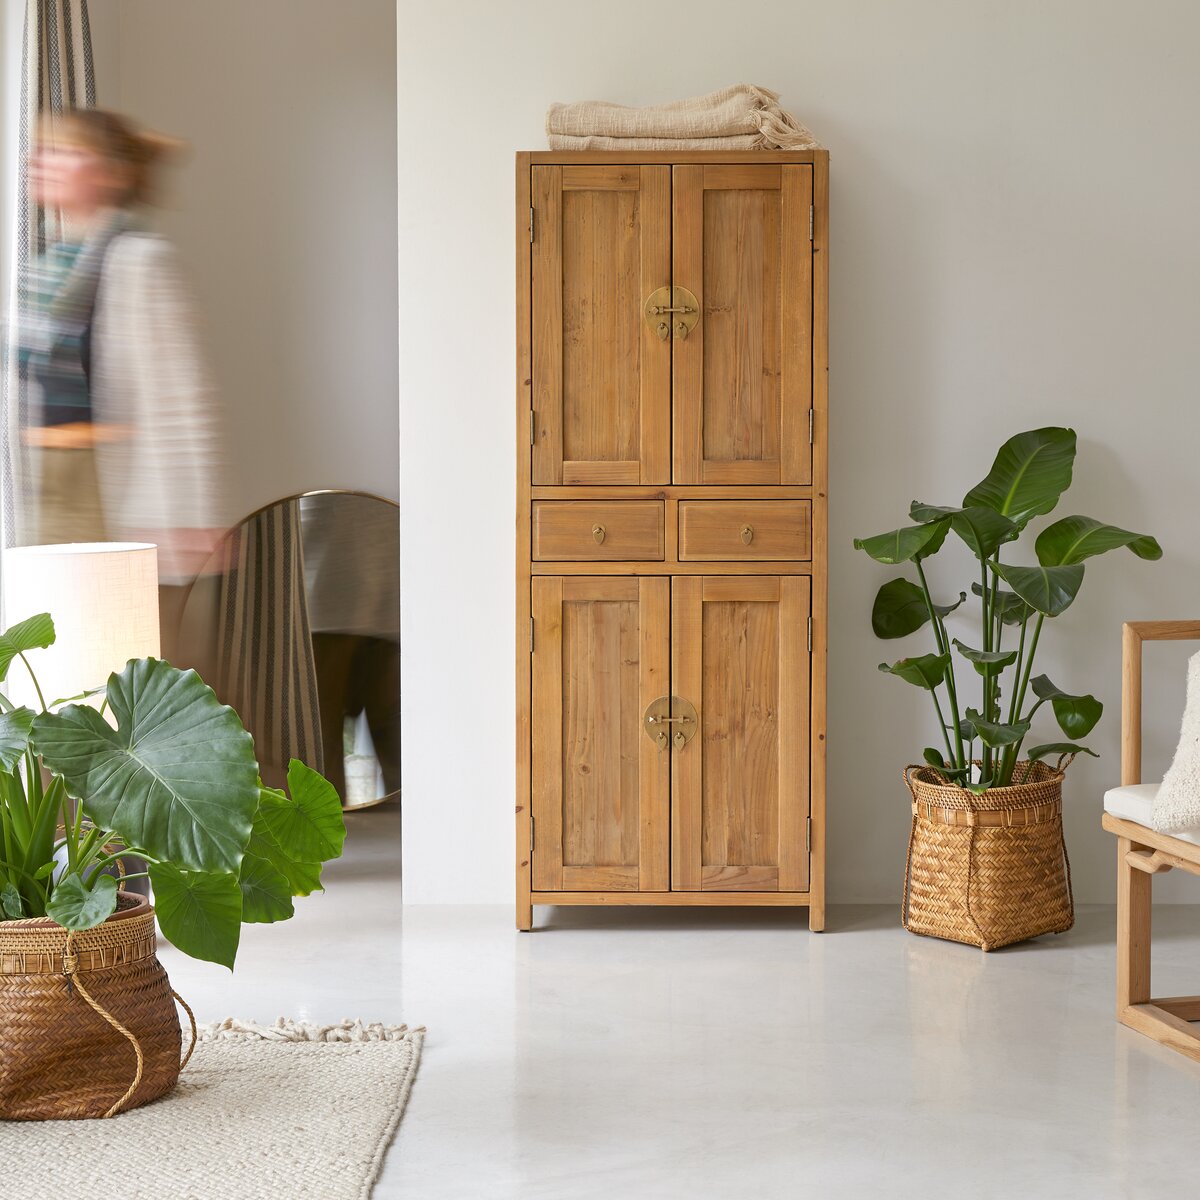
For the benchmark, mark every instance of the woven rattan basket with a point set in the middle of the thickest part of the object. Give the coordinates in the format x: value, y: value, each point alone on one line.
x: 89, y: 1024
x: 987, y: 870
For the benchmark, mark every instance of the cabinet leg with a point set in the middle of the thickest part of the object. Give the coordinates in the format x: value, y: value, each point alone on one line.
x: 524, y: 915
x: 816, y: 914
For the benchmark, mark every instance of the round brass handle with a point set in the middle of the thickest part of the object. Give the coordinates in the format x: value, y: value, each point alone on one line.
x: 747, y: 534
x: 598, y: 533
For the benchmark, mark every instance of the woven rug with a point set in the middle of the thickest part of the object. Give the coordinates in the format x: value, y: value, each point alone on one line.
x: 283, y: 1112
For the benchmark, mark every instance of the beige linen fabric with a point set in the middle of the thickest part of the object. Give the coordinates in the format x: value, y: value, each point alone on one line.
x: 741, y: 117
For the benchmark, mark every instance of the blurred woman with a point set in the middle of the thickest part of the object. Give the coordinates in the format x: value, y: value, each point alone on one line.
x: 118, y: 427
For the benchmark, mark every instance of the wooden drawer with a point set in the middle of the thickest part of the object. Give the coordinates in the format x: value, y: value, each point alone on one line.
x: 732, y: 529
x: 595, y: 531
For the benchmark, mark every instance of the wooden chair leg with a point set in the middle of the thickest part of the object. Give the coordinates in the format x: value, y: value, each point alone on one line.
x: 1133, y: 931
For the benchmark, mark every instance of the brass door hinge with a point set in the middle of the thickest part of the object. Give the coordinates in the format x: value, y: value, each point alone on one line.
x: 532, y: 427
x: 808, y: 835
x: 531, y: 226
x: 530, y: 835
x: 810, y: 635
x: 811, y: 424
x: 810, y: 223
x: 530, y: 635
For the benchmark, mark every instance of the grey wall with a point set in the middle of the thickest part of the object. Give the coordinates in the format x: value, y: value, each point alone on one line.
x: 1014, y: 244
x: 285, y: 216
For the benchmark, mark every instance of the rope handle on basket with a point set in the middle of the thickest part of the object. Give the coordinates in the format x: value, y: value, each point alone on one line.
x: 187, y: 1008
x: 70, y: 966
x: 70, y: 970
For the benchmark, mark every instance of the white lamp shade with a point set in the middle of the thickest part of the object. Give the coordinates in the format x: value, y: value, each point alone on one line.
x: 103, y: 598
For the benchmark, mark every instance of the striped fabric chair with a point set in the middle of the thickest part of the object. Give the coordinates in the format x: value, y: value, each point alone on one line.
x: 1141, y: 854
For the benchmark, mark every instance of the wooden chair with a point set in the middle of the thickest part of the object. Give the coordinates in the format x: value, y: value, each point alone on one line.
x: 1142, y: 854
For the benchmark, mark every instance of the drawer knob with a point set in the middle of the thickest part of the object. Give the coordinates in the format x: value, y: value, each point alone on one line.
x: 598, y: 533
x: 747, y: 534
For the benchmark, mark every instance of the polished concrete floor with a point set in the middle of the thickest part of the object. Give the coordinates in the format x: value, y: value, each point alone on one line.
x: 663, y: 1054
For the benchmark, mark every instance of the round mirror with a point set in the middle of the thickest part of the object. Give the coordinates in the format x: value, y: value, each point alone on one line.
x: 295, y: 621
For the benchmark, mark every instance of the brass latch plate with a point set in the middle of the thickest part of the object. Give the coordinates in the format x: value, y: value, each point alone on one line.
x: 670, y: 721
x: 672, y: 310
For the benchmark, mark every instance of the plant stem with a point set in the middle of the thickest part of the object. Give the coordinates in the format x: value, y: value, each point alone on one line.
x: 36, y: 686
x: 1013, y: 751
x: 941, y: 722
x: 943, y: 646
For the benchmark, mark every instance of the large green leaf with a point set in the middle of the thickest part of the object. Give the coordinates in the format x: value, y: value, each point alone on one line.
x: 177, y: 777
x: 983, y: 529
x: 1012, y: 609
x: 927, y: 671
x: 307, y: 823
x: 1031, y: 471
x: 200, y: 912
x: 1076, y: 715
x: 992, y: 734
x: 1049, y: 590
x: 903, y: 545
x: 900, y: 609
x: 1058, y: 748
x: 14, y: 736
x: 34, y: 633
x: 74, y: 905
x: 303, y: 878
x: 1073, y: 539
x: 266, y: 893
x: 987, y: 662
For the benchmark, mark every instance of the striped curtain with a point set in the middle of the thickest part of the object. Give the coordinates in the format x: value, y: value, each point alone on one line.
x: 57, y: 74
x: 266, y: 670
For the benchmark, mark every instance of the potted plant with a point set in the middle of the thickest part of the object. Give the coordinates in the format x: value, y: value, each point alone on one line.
x: 987, y: 862
x: 172, y: 781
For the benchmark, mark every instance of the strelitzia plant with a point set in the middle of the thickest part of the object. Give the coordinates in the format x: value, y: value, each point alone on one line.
x: 174, y: 783
x: 981, y: 746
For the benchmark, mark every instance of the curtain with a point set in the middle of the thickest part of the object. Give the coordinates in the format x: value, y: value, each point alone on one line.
x: 266, y: 671
x: 57, y: 74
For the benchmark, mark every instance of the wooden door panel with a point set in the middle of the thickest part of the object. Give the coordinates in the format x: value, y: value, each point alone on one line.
x: 601, y: 375
x: 742, y: 383
x: 740, y: 788
x: 600, y: 786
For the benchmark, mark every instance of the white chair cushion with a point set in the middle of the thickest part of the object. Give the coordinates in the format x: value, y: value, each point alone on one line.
x: 1135, y: 803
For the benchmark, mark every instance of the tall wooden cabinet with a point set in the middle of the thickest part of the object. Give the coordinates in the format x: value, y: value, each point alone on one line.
x: 671, y: 529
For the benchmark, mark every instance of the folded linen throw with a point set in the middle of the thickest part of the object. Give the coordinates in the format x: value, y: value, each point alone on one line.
x: 742, y: 117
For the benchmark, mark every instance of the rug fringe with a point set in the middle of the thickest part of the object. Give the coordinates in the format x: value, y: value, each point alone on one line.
x: 286, y: 1030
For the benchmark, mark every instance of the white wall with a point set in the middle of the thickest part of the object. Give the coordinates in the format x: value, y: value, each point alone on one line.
x: 1014, y: 244
x: 284, y: 215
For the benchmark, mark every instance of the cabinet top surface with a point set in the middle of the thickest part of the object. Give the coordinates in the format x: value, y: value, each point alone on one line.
x: 542, y: 157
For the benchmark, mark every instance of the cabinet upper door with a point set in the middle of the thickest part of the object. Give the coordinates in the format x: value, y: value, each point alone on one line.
x: 743, y: 376
x: 740, y: 788
x: 601, y: 792
x: 601, y: 373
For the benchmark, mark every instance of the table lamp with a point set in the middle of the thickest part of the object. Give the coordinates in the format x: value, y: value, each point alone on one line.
x: 103, y: 598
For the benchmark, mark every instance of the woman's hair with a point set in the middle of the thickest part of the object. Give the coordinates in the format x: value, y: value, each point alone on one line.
x: 136, y: 151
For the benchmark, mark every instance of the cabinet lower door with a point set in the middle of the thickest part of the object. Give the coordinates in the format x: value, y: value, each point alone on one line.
x: 601, y: 787
x: 740, y: 788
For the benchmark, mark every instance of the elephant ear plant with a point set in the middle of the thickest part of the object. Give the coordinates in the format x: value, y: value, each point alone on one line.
x: 1030, y: 474
x: 174, y: 783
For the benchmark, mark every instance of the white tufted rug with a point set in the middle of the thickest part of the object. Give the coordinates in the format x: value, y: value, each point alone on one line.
x: 283, y: 1112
